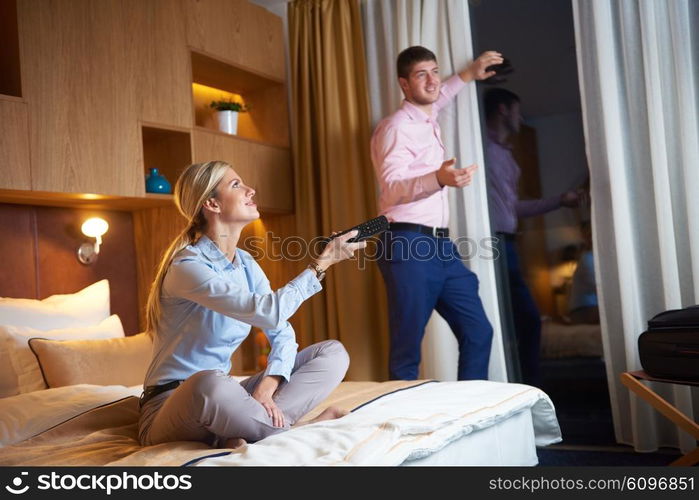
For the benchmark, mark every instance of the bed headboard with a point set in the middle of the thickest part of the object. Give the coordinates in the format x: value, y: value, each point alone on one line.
x: 38, y: 256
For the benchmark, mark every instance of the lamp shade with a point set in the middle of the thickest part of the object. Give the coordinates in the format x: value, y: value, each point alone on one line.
x: 94, y: 227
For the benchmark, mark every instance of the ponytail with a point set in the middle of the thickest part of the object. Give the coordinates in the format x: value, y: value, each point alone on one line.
x: 196, y: 184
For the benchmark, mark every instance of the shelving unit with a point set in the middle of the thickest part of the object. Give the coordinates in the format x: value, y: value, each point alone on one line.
x: 169, y: 150
x: 260, y: 150
x: 216, y: 79
x: 10, y: 74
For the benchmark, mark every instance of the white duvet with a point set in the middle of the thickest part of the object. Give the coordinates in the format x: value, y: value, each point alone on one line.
x: 404, y: 425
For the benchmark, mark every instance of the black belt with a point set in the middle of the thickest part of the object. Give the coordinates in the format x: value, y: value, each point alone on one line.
x: 507, y: 236
x: 153, y: 390
x: 437, y: 232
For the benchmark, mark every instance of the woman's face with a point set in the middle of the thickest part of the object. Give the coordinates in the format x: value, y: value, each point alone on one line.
x: 235, y: 199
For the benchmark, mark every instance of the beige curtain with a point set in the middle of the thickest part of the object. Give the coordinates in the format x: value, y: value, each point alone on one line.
x: 334, y: 177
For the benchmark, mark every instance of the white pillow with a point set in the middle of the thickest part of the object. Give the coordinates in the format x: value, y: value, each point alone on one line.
x: 87, y: 307
x: 22, y: 373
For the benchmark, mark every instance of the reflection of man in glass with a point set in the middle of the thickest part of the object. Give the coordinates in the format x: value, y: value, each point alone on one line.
x: 503, y: 118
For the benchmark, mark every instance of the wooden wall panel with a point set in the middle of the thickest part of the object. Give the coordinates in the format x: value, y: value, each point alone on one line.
x: 164, y: 73
x: 239, y: 32
x: 269, y: 114
x: 208, y: 146
x: 40, y: 259
x: 14, y: 145
x: 274, y: 178
x: 95, y: 71
x: 18, y: 277
x: 59, y: 271
x: 532, y: 238
x: 154, y: 229
x: 266, y: 168
x: 79, y: 72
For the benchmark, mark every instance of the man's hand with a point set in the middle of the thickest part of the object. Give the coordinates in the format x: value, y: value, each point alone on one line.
x: 447, y: 175
x: 570, y: 199
x: 477, y: 69
x: 263, y: 393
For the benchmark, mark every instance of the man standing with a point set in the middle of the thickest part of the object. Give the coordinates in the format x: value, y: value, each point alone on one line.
x: 420, y: 265
x: 502, y: 110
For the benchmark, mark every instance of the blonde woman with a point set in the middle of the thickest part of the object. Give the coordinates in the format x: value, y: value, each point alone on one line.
x: 206, y: 295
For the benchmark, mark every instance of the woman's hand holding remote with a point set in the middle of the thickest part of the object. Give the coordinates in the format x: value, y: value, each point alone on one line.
x: 338, y: 249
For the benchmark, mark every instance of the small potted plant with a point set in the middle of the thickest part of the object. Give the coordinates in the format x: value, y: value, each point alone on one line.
x: 227, y: 112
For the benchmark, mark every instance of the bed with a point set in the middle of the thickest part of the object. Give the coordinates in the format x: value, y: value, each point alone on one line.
x: 392, y: 423
x: 68, y: 397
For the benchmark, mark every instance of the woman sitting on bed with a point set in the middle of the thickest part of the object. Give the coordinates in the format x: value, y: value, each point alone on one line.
x: 206, y: 295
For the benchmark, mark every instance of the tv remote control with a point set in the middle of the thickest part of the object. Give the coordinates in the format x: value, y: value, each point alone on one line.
x: 365, y: 229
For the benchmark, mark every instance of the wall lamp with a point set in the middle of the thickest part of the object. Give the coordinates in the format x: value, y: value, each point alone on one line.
x: 94, y: 227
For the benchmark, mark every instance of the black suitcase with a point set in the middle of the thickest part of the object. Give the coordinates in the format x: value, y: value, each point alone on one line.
x: 670, y: 346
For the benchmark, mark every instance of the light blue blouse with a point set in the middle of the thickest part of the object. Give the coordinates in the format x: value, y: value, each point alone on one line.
x: 208, y: 304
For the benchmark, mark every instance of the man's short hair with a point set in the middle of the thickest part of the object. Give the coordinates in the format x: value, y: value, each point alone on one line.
x: 411, y: 56
x: 495, y: 97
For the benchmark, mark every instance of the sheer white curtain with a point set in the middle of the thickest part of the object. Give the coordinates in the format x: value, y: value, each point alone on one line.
x: 444, y: 27
x: 638, y: 63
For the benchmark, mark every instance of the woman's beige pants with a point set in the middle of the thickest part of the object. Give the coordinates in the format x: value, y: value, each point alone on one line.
x: 211, y: 406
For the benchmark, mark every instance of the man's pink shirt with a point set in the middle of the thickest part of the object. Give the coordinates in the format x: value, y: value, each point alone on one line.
x: 407, y: 151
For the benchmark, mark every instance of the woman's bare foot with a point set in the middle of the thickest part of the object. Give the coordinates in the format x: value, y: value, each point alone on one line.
x: 330, y: 413
x: 234, y: 443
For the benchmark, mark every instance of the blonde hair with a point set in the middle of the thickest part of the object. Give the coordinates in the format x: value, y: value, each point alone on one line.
x: 197, y: 183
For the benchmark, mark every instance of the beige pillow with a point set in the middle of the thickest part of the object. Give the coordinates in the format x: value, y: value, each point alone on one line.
x: 81, y: 309
x: 116, y: 361
x: 22, y: 373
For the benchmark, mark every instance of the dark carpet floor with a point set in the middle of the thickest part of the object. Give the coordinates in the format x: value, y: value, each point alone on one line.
x: 578, y: 389
x: 552, y: 456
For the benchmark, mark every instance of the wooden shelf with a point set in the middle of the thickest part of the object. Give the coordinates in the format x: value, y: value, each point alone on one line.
x: 166, y: 148
x: 12, y: 98
x: 240, y: 138
x: 162, y: 197
x: 84, y: 200
x: 213, y: 71
x: 10, y: 74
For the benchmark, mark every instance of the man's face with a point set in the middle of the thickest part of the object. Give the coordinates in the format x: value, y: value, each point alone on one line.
x: 423, y: 83
x: 513, y: 119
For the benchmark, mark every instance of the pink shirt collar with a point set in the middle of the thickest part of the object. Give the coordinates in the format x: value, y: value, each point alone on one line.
x: 416, y: 113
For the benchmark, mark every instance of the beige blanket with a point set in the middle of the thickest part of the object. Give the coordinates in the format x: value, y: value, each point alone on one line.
x: 107, y: 435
